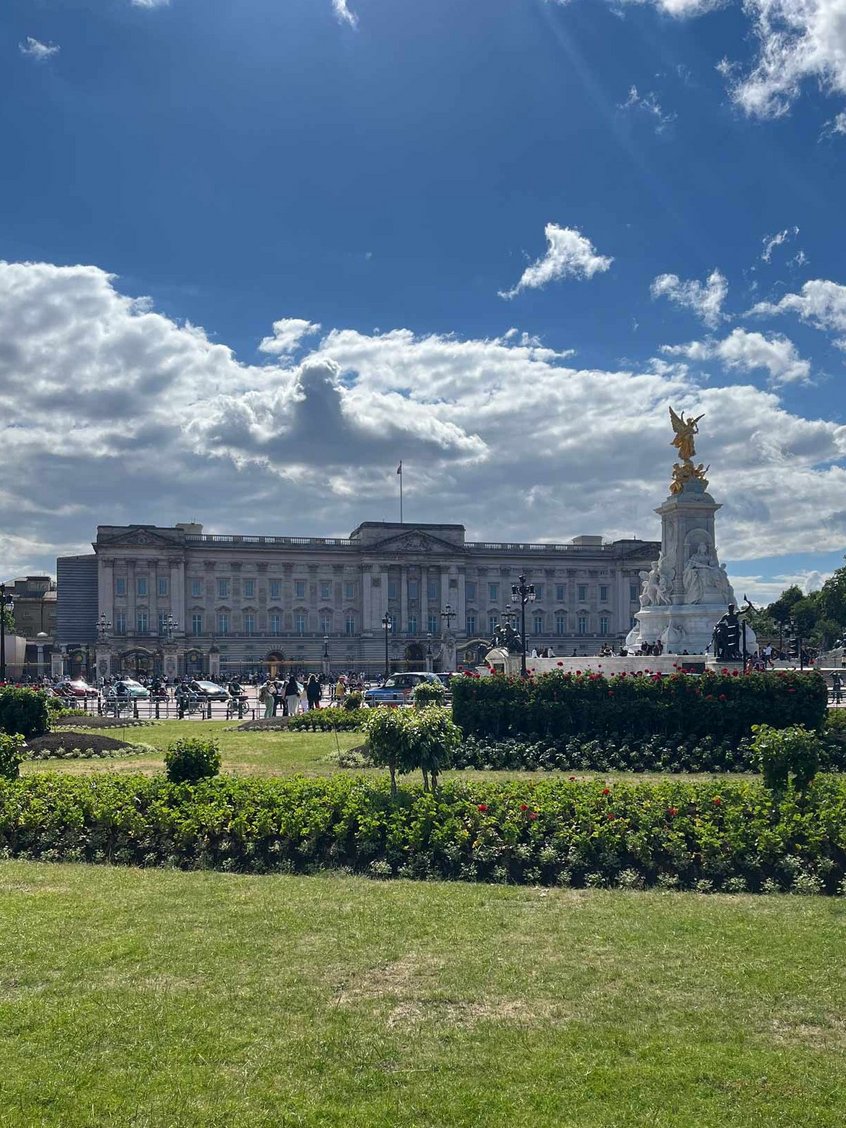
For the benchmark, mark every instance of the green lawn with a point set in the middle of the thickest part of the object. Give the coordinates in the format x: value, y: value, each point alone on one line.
x: 268, y: 753
x: 162, y: 999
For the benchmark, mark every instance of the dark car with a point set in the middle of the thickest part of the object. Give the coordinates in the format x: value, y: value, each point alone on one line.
x: 209, y: 691
x: 398, y: 689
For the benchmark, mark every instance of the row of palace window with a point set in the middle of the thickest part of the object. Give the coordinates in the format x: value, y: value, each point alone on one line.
x: 223, y: 623
x: 539, y: 627
x: 300, y: 587
x: 224, y: 588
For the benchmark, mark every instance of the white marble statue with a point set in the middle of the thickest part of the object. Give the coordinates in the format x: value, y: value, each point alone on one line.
x: 704, y: 579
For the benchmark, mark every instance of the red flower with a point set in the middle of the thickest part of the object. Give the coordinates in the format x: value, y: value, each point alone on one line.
x: 483, y: 807
x: 610, y: 692
x: 611, y: 817
x: 722, y: 697
x: 606, y: 791
x: 578, y: 671
x: 533, y: 815
x: 717, y: 801
x: 559, y: 663
x: 524, y: 807
x: 734, y: 673
x: 672, y: 812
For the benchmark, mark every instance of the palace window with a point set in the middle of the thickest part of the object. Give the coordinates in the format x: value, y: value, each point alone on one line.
x: 141, y: 586
x: 582, y: 624
x: 470, y: 591
x: 196, y: 624
x: 196, y: 588
x: 142, y: 623
x: 249, y: 623
x: 603, y: 593
x: 537, y: 624
x: 275, y: 589
x: 120, y: 622
x: 276, y: 624
x: 560, y: 623
x: 603, y: 624
x: 634, y: 592
x: 560, y: 592
x: 493, y: 592
x: 120, y: 585
x: 162, y: 622
x: 493, y: 623
x: 392, y: 589
x: 434, y: 589
x: 412, y: 624
x: 325, y: 623
x: 432, y: 626
x: 349, y: 625
x: 223, y: 589
x: 413, y: 589
x: 582, y: 596
x: 223, y: 623
x: 470, y: 624
x: 161, y: 585
x: 325, y: 589
x: 538, y: 591
x: 249, y: 589
x: 299, y: 589
x: 349, y: 591
x: 300, y: 623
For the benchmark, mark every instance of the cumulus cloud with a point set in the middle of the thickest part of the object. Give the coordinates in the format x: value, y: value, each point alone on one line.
x: 150, y: 3
x: 820, y: 303
x: 706, y: 300
x: 569, y: 255
x: 747, y: 352
x: 288, y: 334
x: 343, y: 13
x: 112, y: 412
x: 648, y: 104
x: 35, y: 49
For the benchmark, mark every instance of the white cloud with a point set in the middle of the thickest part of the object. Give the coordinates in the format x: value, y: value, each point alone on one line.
x: 706, y: 300
x: 288, y: 334
x: 35, y: 49
x: 343, y: 13
x: 770, y: 242
x: 648, y: 103
x: 748, y: 352
x: 94, y: 384
x: 835, y: 126
x: 569, y: 255
x: 820, y: 303
x: 150, y: 3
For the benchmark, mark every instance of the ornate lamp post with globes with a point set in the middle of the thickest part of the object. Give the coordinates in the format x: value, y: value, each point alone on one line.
x: 387, y: 623
x: 6, y: 601
x: 522, y: 593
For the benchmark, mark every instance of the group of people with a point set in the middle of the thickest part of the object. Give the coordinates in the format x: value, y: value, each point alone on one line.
x: 285, y: 698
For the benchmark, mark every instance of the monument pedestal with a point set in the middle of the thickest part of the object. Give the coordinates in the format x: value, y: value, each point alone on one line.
x: 718, y: 665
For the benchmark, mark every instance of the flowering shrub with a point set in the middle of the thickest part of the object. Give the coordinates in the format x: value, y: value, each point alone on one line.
x: 553, y: 832
x: 325, y: 720
x: 634, y: 707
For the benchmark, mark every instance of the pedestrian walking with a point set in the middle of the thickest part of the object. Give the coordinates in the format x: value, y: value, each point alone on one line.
x: 836, y: 688
x: 292, y: 695
x: 265, y: 696
x: 313, y: 692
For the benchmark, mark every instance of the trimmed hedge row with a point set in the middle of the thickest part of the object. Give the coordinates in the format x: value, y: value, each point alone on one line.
x: 657, y: 754
x: 331, y: 718
x: 704, y: 836
x: 636, y: 706
x: 23, y: 711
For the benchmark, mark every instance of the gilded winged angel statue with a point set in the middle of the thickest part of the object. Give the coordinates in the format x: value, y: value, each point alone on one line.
x: 683, y: 439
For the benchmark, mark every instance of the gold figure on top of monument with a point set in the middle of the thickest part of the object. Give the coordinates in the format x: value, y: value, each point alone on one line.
x: 683, y: 441
x: 684, y: 429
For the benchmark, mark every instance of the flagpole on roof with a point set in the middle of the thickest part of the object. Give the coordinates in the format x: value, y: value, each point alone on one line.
x: 399, y: 471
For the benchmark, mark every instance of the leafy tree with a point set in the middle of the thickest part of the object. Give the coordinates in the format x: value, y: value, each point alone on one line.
x: 8, y: 620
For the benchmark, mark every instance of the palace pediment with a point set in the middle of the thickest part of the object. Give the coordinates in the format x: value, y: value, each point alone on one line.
x: 414, y: 541
x: 133, y: 536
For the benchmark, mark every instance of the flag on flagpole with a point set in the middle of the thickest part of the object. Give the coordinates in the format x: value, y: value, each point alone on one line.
x: 399, y: 468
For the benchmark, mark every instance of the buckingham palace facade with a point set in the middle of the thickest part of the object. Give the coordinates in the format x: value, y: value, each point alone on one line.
x: 180, y: 601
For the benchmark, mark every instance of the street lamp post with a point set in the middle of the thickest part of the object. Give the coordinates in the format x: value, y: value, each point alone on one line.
x: 522, y: 593
x: 387, y: 623
x: 326, y: 656
x: 5, y: 601
x: 447, y: 615
x: 428, y: 652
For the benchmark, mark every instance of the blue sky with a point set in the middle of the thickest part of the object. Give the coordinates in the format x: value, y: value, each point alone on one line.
x: 496, y: 239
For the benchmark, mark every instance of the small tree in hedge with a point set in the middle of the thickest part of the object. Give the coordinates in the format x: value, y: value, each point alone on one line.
x: 11, y: 754
x: 188, y: 761
x: 23, y: 711
x: 387, y: 740
x: 781, y: 753
x: 428, y: 693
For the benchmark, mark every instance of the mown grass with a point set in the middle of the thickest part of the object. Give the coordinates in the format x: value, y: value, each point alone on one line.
x: 161, y: 998
x: 271, y: 753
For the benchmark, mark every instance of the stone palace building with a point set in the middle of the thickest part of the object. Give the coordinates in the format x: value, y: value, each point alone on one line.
x: 178, y: 600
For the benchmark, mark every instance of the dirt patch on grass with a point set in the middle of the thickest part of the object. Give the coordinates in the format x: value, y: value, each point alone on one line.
x: 65, y: 741
x: 826, y: 1034
x: 412, y: 984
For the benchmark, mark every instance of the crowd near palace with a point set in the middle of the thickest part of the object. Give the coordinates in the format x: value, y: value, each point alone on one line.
x: 177, y: 601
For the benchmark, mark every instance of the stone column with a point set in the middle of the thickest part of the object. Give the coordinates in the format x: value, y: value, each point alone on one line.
x: 106, y: 588
x: 177, y: 593
x: 130, y: 596
x: 403, y: 623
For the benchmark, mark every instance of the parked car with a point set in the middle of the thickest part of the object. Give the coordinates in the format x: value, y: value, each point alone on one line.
x: 209, y: 691
x: 75, y: 687
x: 399, y: 688
x: 133, y: 689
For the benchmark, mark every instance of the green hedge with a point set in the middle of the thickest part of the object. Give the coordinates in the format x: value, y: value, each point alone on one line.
x: 23, y: 711
x: 725, y: 835
x: 637, y: 706
x: 331, y: 718
x: 654, y: 754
